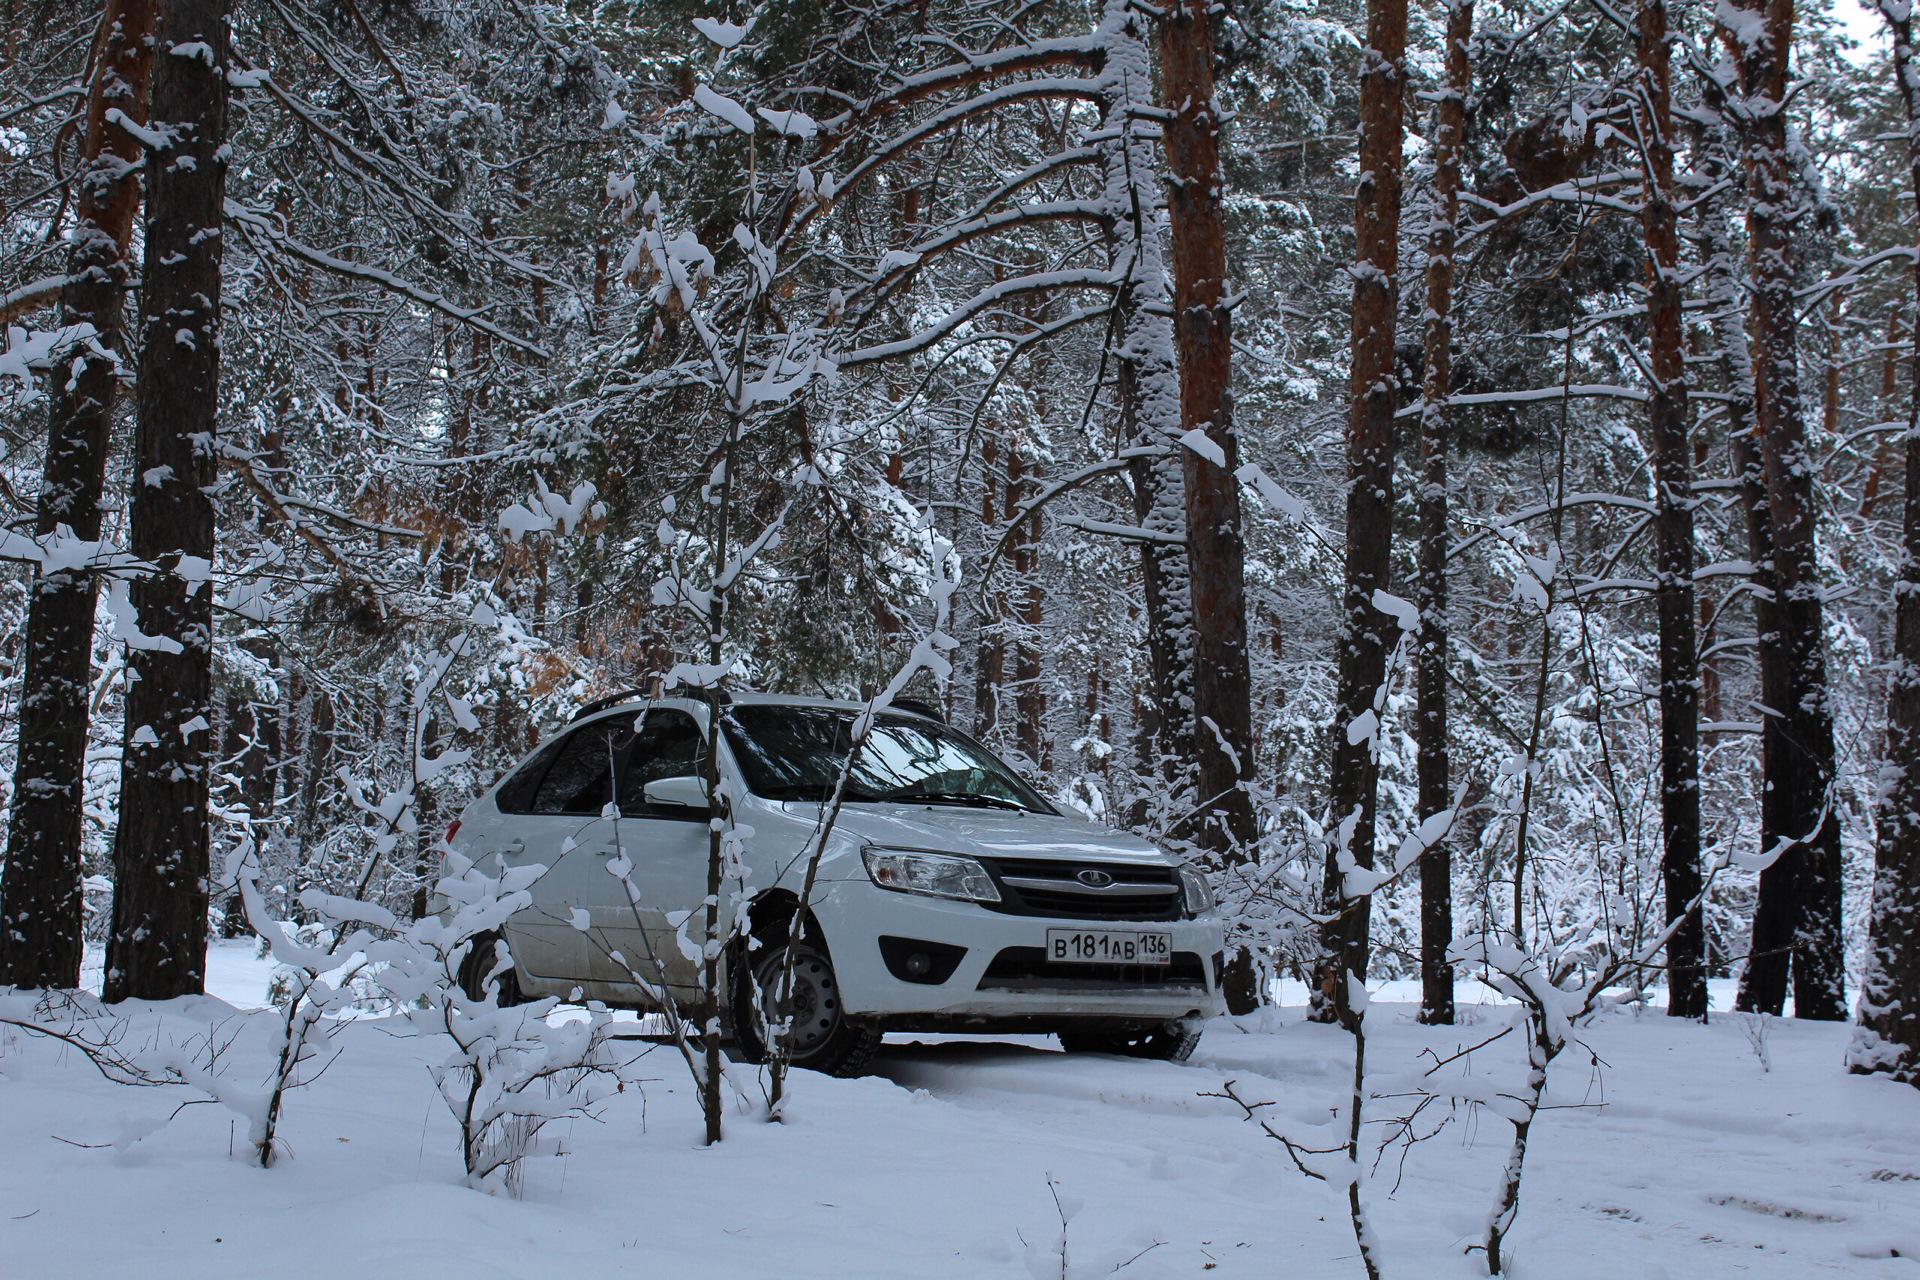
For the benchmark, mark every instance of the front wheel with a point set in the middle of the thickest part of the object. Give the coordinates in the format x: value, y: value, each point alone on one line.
x: 820, y: 1037
x: 1164, y: 1041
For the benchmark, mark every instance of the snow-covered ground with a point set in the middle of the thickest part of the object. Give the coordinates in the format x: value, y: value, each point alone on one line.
x: 1677, y: 1155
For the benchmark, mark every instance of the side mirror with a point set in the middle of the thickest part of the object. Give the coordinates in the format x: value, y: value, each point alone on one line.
x: 677, y: 793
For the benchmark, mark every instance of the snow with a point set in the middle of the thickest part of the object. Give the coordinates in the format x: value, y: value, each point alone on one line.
x: 126, y: 622
x: 1201, y: 443
x: 1675, y: 1155
x: 152, y: 139
x: 718, y: 104
x: 724, y: 34
x: 25, y: 353
x: 795, y: 124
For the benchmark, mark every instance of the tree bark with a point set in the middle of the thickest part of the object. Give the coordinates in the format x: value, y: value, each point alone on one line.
x: 1366, y: 633
x: 40, y: 902
x: 158, y: 945
x: 1147, y: 383
x: 1887, y: 1038
x: 1203, y: 341
x: 1158, y: 506
x: 1763, y: 978
x: 1029, y: 696
x: 990, y: 666
x: 1803, y: 768
x: 1223, y: 823
x: 1430, y: 677
x: 1672, y: 461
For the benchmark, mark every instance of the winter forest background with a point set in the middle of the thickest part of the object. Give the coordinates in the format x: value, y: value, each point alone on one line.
x: 1464, y: 440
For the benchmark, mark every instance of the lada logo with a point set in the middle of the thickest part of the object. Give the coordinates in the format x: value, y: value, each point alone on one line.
x: 1093, y: 878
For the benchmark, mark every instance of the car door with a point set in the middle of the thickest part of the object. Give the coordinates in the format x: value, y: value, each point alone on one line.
x: 562, y: 828
x: 667, y: 846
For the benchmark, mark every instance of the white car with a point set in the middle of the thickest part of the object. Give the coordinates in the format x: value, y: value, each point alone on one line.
x: 950, y: 896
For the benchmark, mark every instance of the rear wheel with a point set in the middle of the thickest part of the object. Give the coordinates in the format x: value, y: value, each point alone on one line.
x: 1171, y: 1041
x: 481, y: 959
x: 820, y: 1037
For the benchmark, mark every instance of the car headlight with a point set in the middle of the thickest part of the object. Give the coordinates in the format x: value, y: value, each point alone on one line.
x: 938, y: 875
x: 1194, y: 886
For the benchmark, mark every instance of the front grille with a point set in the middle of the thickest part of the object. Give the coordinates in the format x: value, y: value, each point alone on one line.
x: 1028, y: 969
x: 1048, y: 887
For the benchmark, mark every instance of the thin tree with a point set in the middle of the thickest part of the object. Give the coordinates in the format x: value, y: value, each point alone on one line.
x: 1203, y: 341
x: 1673, y: 522
x: 1366, y: 634
x: 1802, y: 770
x: 1430, y: 672
x: 158, y: 945
x: 1888, y: 1035
x: 40, y: 922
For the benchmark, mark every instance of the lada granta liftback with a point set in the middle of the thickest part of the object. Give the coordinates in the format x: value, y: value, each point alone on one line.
x: 950, y: 896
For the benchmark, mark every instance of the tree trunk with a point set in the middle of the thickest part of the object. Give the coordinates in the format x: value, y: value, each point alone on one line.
x: 1158, y: 507
x: 1803, y: 768
x: 1203, y: 342
x: 1366, y: 633
x: 1673, y: 526
x: 1029, y: 696
x: 1224, y: 822
x: 1430, y: 680
x: 1888, y: 1036
x: 990, y: 665
x: 1147, y: 383
x: 40, y: 942
x: 158, y: 945
x: 1763, y: 978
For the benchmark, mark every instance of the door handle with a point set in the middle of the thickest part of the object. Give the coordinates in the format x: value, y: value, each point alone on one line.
x: 513, y: 848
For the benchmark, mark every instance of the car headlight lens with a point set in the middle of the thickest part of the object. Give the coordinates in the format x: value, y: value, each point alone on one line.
x: 938, y: 875
x: 1198, y: 893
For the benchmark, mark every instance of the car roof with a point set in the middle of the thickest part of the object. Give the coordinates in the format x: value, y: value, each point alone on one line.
x: 749, y: 700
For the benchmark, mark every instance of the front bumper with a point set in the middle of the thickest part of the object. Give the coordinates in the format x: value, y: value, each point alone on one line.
x: 856, y: 914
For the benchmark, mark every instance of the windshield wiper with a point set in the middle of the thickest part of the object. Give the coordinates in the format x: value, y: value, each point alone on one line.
x: 819, y: 795
x: 972, y: 799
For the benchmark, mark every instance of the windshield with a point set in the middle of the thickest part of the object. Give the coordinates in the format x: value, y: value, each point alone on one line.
x: 796, y: 753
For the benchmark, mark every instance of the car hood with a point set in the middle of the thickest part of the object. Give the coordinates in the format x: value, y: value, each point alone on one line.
x: 991, y: 833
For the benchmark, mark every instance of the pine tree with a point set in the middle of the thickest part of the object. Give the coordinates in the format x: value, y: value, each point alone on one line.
x: 157, y: 948
x: 1366, y: 634
x: 1430, y: 727
x: 1671, y: 452
x: 1203, y: 338
x: 40, y: 921
x: 1887, y: 1038
x: 1802, y: 770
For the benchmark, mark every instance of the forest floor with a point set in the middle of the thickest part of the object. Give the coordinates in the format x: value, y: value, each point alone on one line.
x: 1675, y: 1153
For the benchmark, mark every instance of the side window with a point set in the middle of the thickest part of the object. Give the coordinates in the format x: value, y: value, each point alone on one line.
x: 516, y: 793
x: 669, y: 746
x: 581, y: 779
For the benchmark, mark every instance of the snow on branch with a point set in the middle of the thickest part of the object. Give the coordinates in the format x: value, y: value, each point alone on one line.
x: 254, y: 223
x: 984, y: 300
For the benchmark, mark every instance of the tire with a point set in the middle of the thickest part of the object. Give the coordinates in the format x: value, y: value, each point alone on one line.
x: 481, y: 958
x: 1161, y: 1041
x: 823, y: 1038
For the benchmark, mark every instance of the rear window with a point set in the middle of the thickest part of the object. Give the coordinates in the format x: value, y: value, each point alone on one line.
x: 516, y: 793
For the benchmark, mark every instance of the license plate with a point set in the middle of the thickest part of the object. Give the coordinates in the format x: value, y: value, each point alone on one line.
x: 1108, y: 946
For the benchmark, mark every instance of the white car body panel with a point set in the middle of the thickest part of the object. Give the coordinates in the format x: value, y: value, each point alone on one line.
x: 669, y: 859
